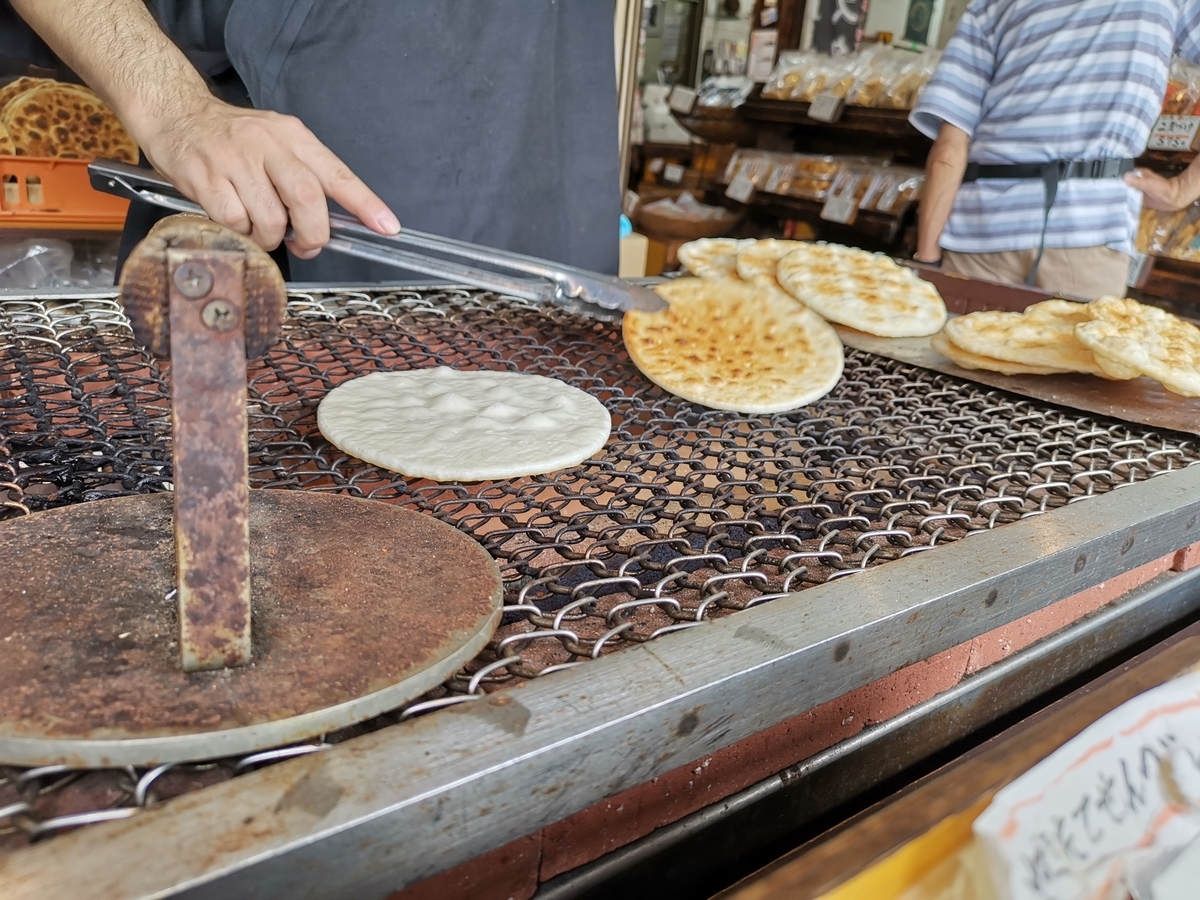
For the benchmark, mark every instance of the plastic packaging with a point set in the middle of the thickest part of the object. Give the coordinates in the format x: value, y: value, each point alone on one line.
x: 685, y: 206
x: 909, y: 80
x: 724, y: 91
x: 893, y: 189
x: 1183, y: 89
x: 33, y: 264
x: 789, y: 72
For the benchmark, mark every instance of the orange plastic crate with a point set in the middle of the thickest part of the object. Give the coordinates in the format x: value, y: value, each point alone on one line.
x: 55, y: 194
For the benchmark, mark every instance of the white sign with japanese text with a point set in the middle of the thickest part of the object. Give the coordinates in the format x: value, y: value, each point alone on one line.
x: 1107, y: 806
x: 1174, y: 133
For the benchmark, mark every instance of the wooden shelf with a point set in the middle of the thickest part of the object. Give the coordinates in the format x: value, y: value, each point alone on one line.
x: 882, y: 122
x: 881, y: 228
x: 1174, y: 283
x: 858, y: 121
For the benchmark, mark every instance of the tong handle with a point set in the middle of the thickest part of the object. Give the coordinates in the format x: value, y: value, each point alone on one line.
x: 135, y: 183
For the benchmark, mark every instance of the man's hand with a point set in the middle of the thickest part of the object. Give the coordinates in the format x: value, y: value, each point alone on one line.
x: 1166, y: 194
x: 251, y: 170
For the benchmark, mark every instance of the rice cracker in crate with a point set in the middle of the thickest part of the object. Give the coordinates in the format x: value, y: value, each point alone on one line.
x: 19, y: 86
x: 1043, y: 336
x: 712, y: 257
x: 7, y: 147
x: 1125, y: 334
x: 734, y: 346
x: 65, y: 121
x: 865, y: 291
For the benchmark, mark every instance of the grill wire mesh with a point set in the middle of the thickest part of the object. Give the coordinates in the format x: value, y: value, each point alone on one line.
x: 687, y: 515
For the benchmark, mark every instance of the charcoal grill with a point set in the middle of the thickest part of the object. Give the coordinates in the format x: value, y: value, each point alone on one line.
x: 705, y: 577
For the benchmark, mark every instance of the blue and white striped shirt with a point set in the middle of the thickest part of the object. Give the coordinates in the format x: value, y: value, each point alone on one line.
x: 1036, y: 80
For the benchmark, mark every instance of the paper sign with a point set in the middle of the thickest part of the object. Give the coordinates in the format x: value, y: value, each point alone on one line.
x: 1174, y: 133
x: 682, y: 99
x: 673, y: 173
x: 1110, y: 805
x: 741, y: 188
x: 842, y: 203
x: 762, y: 54
x: 826, y: 108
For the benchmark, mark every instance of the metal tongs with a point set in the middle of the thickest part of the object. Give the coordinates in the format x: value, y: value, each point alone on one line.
x: 589, y: 293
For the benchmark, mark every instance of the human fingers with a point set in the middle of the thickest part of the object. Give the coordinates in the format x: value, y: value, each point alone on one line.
x: 301, y: 192
x: 225, y: 207
x: 343, y: 186
x: 267, y: 212
x: 1158, y: 193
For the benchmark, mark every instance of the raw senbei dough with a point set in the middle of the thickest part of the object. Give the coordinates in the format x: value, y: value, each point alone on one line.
x: 447, y: 425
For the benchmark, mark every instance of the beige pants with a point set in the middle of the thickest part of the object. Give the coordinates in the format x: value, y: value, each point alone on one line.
x: 1086, y: 272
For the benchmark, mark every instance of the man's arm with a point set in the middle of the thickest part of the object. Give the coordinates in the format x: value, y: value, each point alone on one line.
x: 1167, y: 193
x: 943, y: 176
x: 251, y: 170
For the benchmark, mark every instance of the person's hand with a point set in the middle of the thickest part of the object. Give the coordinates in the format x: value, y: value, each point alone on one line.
x: 1164, y: 194
x: 255, y: 170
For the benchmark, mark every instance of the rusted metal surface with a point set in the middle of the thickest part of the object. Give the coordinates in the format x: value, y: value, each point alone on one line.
x: 359, y: 606
x: 1142, y: 401
x: 145, y: 283
x: 210, y: 456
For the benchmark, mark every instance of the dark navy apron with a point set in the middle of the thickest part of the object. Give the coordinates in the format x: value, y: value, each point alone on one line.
x: 493, y: 122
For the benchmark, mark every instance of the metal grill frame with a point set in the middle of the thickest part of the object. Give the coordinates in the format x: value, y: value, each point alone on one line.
x: 419, y: 797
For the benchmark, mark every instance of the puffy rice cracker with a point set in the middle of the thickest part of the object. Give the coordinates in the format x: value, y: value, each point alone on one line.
x: 865, y: 291
x: 734, y: 346
x: 757, y: 263
x: 713, y: 257
x: 1043, y: 336
x: 965, y: 359
x: 1151, y: 341
x: 448, y: 425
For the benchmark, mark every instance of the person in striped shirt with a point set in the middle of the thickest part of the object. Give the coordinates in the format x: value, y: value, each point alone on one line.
x: 1037, y: 111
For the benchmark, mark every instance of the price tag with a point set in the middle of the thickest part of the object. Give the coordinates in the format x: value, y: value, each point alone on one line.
x: 673, y: 173
x: 1174, y: 133
x: 1139, y: 269
x: 682, y: 99
x: 826, y: 108
x: 741, y: 188
x: 842, y: 205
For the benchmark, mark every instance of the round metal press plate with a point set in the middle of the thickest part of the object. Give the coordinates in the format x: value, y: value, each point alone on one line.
x: 358, y: 607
